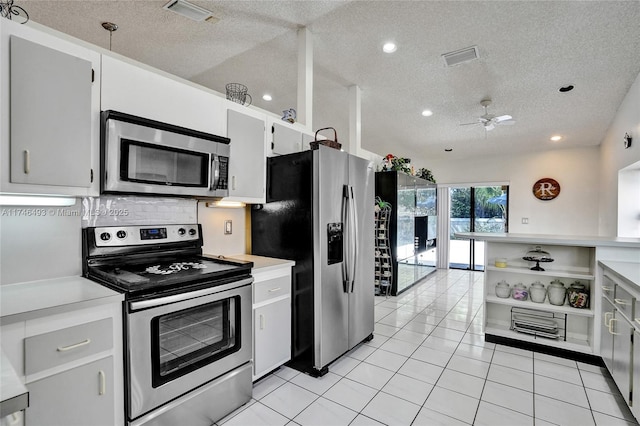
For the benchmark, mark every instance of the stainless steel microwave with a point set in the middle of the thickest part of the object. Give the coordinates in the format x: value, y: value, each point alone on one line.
x: 142, y: 156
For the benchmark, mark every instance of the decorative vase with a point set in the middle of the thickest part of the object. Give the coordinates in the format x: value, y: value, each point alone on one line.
x: 578, y: 295
x: 503, y: 290
x: 557, y: 293
x: 520, y: 292
x: 537, y: 292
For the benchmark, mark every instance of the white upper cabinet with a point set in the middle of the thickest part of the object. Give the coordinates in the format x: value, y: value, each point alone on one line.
x: 49, y: 108
x: 247, y: 174
x: 148, y: 93
x: 284, y: 138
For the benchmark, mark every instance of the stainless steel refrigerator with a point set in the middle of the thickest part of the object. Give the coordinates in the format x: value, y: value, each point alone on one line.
x: 319, y: 212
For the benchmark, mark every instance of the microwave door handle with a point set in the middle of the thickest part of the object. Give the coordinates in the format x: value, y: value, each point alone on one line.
x: 214, y: 173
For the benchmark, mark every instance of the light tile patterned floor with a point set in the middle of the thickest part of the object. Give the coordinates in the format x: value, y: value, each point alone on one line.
x: 429, y: 365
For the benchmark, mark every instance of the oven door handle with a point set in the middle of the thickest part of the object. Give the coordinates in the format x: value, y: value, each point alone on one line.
x: 159, y: 301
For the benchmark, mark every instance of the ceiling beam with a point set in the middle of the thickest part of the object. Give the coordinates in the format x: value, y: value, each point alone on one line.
x: 305, y: 78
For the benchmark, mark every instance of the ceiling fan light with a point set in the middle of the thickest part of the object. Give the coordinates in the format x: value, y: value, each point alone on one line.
x: 188, y: 10
x: 556, y: 138
x: 427, y: 113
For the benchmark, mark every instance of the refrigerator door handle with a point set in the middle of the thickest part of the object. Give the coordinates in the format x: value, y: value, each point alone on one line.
x: 345, y: 241
x: 353, y: 237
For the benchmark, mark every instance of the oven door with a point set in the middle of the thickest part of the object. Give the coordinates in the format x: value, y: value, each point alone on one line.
x: 178, y: 343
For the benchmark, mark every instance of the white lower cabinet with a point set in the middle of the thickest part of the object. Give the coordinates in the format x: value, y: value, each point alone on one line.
x: 273, y: 342
x: 635, y: 380
x: 80, y: 396
x: 71, y: 363
x: 620, y: 337
x: 13, y: 419
x: 271, y: 320
x: 606, y: 336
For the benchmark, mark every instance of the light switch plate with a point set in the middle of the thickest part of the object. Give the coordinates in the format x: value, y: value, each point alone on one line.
x: 228, y: 227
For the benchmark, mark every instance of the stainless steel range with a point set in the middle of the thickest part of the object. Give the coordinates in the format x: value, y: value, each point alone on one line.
x: 187, y: 322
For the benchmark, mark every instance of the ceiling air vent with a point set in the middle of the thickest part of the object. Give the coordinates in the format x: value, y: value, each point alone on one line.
x: 460, y: 56
x: 188, y: 10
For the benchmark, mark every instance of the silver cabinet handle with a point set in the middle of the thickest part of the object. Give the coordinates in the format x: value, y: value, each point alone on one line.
x: 233, y: 183
x: 275, y: 289
x: 621, y: 301
x: 611, y: 326
x: 74, y: 346
x: 27, y: 161
x: 605, y: 288
x: 607, y: 318
x: 103, y: 383
x: 262, y: 322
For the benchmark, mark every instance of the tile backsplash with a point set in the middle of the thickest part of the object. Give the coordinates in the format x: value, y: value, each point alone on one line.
x: 137, y: 210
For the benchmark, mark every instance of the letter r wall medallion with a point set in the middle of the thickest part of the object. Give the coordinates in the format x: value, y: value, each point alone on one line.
x: 546, y: 189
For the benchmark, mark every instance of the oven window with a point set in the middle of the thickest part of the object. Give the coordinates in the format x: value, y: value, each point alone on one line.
x: 186, y: 340
x: 157, y: 164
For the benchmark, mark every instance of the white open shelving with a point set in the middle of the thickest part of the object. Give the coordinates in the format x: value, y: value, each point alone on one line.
x: 570, y: 264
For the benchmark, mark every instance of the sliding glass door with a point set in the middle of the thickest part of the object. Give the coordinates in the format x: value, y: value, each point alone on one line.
x: 475, y: 209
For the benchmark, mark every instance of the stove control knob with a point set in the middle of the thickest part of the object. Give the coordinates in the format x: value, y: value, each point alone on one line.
x: 121, y: 234
x: 181, y: 232
x: 105, y: 236
x: 192, y: 232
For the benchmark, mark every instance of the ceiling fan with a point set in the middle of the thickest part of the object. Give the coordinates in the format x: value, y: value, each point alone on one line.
x: 490, y: 121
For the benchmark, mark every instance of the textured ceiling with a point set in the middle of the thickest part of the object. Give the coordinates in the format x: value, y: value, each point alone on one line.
x: 528, y: 50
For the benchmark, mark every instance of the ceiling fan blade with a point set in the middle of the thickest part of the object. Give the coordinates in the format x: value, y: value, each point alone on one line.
x: 502, y: 118
x: 489, y: 126
x: 469, y: 124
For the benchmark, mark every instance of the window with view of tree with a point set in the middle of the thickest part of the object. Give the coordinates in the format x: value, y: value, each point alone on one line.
x: 475, y: 209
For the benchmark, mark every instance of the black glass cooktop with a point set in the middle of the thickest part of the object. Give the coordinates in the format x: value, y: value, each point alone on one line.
x: 162, y: 275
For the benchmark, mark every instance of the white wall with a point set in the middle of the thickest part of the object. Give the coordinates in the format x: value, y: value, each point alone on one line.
x: 37, y: 247
x: 215, y: 240
x: 573, y: 212
x: 615, y: 157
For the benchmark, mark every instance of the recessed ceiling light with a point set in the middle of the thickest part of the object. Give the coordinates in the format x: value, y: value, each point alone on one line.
x: 267, y: 97
x: 566, y: 88
x: 556, y: 138
x: 389, y: 47
x: 448, y: 149
x: 427, y: 113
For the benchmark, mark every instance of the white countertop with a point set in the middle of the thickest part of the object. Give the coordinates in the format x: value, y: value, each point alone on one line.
x: 22, y: 301
x: 260, y: 263
x: 626, y: 271
x: 572, y: 240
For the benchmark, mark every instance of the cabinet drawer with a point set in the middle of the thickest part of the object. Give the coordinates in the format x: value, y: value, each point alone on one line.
x: 69, y: 344
x: 625, y: 302
x: 271, y: 288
